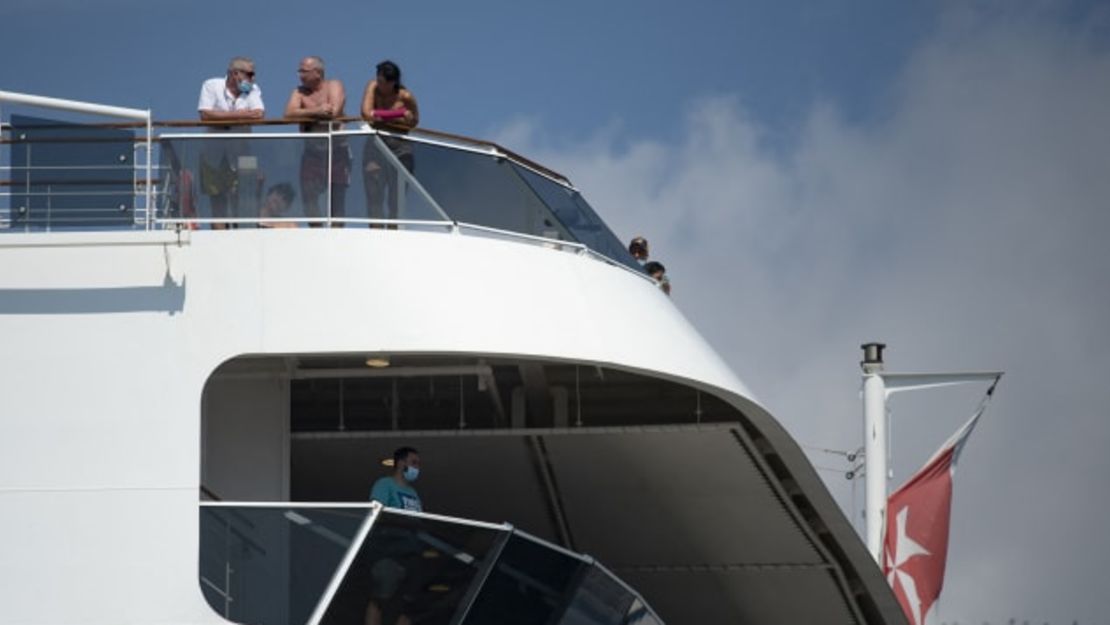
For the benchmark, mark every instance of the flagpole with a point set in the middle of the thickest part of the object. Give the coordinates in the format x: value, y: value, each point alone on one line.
x: 877, y: 386
x: 874, y: 446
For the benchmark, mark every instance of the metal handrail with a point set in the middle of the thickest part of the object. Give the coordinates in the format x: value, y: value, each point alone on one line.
x: 426, y: 134
x: 75, y: 106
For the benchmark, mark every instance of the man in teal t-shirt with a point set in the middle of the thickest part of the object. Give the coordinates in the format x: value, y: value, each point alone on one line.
x: 396, y: 491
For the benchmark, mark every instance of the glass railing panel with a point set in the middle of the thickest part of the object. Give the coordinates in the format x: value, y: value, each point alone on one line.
x: 482, y: 189
x: 245, y: 180
x: 271, y: 565
x: 63, y: 175
x: 598, y: 600
x: 529, y: 585
x: 5, y: 177
x: 412, y: 569
x: 341, y: 563
x: 382, y: 181
x: 572, y: 211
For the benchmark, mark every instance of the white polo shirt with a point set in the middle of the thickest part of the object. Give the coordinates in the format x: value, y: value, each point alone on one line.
x: 214, y: 96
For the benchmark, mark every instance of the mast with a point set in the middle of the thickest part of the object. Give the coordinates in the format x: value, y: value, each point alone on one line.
x: 874, y: 446
x: 878, y: 385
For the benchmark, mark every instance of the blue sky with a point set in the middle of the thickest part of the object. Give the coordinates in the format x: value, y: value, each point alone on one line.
x: 815, y: 175
x: 574, y: 66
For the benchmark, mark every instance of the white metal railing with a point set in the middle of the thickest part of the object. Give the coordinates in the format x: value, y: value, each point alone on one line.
x: 77, y: 106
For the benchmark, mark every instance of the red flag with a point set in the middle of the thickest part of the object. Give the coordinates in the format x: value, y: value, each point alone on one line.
x: 916, y: 544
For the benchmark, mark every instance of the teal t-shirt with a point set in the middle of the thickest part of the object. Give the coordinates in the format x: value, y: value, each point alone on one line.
x: 391, y: 494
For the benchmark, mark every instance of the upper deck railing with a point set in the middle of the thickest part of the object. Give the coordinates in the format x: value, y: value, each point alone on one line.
x: 144, y: 174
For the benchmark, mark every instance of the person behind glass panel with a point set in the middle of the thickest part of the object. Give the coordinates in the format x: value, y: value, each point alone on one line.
x: 231, y: 98
x: 658, y: 272
x: 317, y: 101
x: 386, y: 103
x: 390, y: 577
x: 276, y: 206
x: 396, y: 490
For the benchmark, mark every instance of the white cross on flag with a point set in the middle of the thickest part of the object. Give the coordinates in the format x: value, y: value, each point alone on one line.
x: 916, y: 544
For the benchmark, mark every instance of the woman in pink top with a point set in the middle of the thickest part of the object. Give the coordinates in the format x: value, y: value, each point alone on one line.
x: 386, y: 103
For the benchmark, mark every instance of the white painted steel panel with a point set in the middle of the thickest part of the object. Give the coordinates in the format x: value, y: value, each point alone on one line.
x: 109, y: 339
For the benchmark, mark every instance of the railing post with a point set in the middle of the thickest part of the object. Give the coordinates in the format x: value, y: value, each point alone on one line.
x: 227, y: 568
x: 330, y: 165
x: 149, y: 171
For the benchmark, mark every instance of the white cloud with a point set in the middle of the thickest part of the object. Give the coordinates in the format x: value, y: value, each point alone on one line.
x: 968, y: 228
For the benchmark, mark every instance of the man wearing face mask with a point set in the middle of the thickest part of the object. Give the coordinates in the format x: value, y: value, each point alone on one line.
x: 234, y: 97
x: 396, y: 491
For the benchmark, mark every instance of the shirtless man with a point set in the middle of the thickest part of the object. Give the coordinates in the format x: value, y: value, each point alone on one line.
x: 387, y: 101
x: 234, y: 97
x: 317, y: 101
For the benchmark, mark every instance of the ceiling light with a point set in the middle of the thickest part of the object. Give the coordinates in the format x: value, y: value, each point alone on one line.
x: 378, y: 362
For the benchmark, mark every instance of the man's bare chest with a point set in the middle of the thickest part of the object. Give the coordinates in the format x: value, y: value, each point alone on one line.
x: 314, y: 99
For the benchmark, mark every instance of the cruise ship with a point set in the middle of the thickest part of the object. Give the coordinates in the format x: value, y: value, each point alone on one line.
x: 214, y: 341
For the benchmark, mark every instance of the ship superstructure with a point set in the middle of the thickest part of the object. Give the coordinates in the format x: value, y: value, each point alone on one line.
x: 196, y: 402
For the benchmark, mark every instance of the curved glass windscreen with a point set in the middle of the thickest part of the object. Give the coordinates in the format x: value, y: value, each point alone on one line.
x: 286, y: 564
x: 483, y: 189
x: 410, y: 569
x: 572, y: 211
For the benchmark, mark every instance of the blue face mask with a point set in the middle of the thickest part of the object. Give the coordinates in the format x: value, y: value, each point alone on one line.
x: 411, y: 473
x: 245, y: 87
